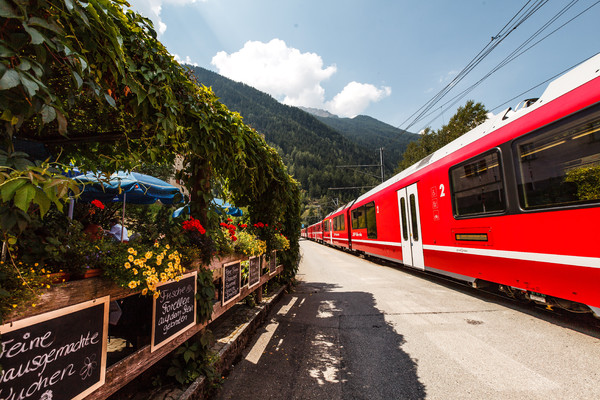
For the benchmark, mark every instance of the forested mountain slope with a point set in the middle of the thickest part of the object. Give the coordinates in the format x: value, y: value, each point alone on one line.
x: 311, y: 150
x: 373, y: 134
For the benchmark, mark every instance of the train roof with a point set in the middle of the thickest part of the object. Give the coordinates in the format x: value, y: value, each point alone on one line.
x: 340, y: 209
x: 579, y: 75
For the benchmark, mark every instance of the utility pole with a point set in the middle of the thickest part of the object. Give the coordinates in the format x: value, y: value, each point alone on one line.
x: 381, y: 163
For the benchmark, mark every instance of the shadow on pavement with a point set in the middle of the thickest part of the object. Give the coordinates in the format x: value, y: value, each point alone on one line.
x: 326, y: 344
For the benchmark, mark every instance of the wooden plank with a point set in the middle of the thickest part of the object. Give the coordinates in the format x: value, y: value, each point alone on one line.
x: 70, y: 293
x: 129, y: 368
x: 74, y: 292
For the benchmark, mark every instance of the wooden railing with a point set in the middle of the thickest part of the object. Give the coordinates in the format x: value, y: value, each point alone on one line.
x: 127, y: 369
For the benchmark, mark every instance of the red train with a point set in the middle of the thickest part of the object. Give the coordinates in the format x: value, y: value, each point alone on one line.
x: 514, y: 202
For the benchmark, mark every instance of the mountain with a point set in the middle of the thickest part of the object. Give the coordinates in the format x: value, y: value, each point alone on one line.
x: 371, y: 134
x: 311, y: 149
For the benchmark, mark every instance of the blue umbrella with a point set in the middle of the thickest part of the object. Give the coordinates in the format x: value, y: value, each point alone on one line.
x: 128, y: 187
x: 228, y: 208
x: 221, y: 205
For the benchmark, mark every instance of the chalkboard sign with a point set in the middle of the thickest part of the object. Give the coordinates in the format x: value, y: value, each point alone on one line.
x: 273, y: 262
x: 254, y: 271
x: 57, y: 355
x: 232, y: 277
x: 174, y: 311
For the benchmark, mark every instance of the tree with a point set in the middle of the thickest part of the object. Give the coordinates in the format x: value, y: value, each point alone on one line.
x: 466, y: 118
x: 91, y: 77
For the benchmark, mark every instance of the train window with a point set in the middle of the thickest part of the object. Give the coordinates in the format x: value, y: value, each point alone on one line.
x: 478, y: 186
x: 560, y: 167
x: 404, y: 224
x: 371, y: 215
x: 342, y: 222
x: 338, y: 223
x: 358, y: 218
x: 413, y: 217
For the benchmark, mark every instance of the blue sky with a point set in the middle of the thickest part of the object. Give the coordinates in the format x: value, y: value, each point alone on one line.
x: 382, y: 58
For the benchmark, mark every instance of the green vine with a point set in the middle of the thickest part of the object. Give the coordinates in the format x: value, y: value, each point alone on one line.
x: 92, y: 82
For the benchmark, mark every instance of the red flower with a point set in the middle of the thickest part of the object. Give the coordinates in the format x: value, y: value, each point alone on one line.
x: 193, y: 224
x: 98, y: 204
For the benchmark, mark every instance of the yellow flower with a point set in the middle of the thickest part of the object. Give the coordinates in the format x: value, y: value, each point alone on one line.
x: 135, y: 271
x: 163, y: 276
x: 159, y: 261
x: 156, y: 294
x: 156, y: 244
x: 130, y: 250
x: 148, y: 254
x: 127, y: 265
x: 167, y: 247
x: 132, y: 285
x: 145, y: 291
x: 14, y: 305
x: 130, y: 258
x: 36, y: 264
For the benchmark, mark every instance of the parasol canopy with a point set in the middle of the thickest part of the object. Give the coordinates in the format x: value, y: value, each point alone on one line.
x: 219, y: 203
x: 130, y: 187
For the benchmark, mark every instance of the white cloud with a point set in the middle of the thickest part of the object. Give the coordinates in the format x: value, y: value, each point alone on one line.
x: 356, y: 97
x: 273, y: 67
x: 186, y: 60
x: 152, y: 9
x: 293, y: 77
x: 449, y: 76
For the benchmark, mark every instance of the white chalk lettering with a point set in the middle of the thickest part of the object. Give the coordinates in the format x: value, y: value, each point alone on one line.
x: 42, y: 383
x: 25, y: 345
x: 41, y: 361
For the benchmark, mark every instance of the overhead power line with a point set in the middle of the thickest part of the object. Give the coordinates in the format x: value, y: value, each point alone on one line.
x: 521, y: 16
x: 511, y: 57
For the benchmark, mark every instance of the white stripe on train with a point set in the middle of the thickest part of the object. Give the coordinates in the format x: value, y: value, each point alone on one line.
x: 590, y: 262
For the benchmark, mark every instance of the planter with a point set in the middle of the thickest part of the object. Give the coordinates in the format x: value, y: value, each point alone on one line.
x: 58, y: 277
x: 92, y: 272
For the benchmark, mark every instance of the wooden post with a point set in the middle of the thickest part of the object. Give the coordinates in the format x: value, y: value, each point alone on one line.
x: 259, y: 295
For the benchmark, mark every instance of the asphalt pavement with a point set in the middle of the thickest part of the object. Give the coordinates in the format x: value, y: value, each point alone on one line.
x: 353, y: 329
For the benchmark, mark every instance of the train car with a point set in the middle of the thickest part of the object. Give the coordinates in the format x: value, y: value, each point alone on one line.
x: 310, y: 232
x: 336, y: 232
x: 327, y: 233
x: 315, y: 232
x: 514, y: 202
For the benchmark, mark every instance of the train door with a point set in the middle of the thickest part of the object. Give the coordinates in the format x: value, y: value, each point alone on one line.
x: 410, y: 226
